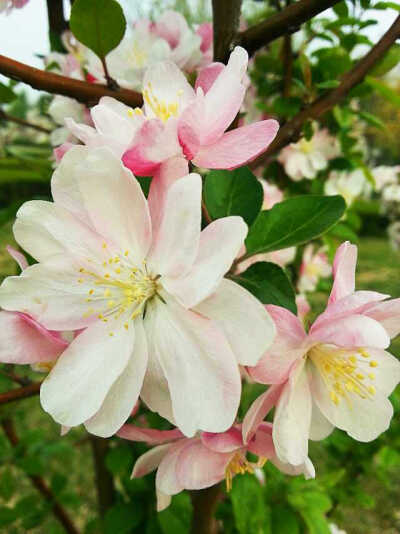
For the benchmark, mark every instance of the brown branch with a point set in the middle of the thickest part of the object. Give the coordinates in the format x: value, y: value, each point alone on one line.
x: 226, y: 15
x: 204, y: 505
x: 292, y: 129
x: 287, y: 65
x: 40, y: 484
x: 88, y: 93
x: 9, y: 118
x: 284, y: 22
x: 57, y: 24
x: 104, y: 480
x: 20, y: 393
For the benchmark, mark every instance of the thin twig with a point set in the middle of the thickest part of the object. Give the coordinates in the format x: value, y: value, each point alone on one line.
x: 88, y: 93
x: 9, y: 118
x: 292, y: 129
x: 40, y: 484
x: 20, y: 393
x: 286, y: 21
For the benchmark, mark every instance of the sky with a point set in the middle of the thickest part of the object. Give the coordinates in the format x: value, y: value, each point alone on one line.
x: 24, y: 32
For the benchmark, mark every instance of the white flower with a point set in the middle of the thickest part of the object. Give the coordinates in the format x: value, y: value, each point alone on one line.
x: 385, y: 176
x: 349, y: 185
x: 159, y: 319
x: 61, y: 108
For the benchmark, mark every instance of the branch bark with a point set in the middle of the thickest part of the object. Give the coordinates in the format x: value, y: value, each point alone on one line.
x: 20, y: 393
x: 9, y: 118
x: 226, y: 16
x: 286, y: 21
x: 204, y: 506
x: 88, y: 93
x: 291, y: 130
x: 104, y: 480
x: 40, y: 484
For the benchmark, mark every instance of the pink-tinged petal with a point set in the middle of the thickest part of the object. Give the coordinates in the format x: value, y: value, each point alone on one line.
x: 163, y: 501
x: 220, y: 243
x: 364, y: 419
x: 307, y: 469
x: 175, y: 249
x: 259, y: 410
x: 261, y: 443
x: 154, y: 143
x: 292, y: 418
x: 205, y: 31
x: 199, y: 467
x: 83, y: 132
x: 200, y: 368
x: 247, y: 325
x: 208, y: 75
x: 356, y: 303
x: 166, y: 479
x: 18, y: 257
x: 190, y: 126
x: 289, y: 346
x: 79, y: 382
x: 124, y: 393
x: 320, y: 427
x: 227, y: 441
x: 352, y: 331
x: 387, y: 314
x: 23, y: 341
x: 150, y: 460
x: 151, y: 436
x: 237, y: 147
x: 344, y: 268
x: 61, y: 150
x: 167, y: 173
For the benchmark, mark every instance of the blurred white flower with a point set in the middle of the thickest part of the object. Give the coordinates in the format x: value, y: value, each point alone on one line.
x: 348, y: 184
x: 384, y: 175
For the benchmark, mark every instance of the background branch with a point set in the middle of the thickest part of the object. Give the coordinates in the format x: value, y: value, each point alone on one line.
x: 9, y: 118
x: 20, y: 393
x: 88, y: 93
x: 292, y: 129
x: 226, y: 16
x: 204, y: 506
x: 104, y: 479
x: 40, y: 484
x: 284, y: 22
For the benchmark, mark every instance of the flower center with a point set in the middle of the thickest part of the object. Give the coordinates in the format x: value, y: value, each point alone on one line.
x: 118, y: 286
x: 240, y: 465
x: 161, y: 109
x: 306, y: 146
x: 345, y: 373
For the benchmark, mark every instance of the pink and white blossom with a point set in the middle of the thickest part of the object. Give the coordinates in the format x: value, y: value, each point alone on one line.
x: 350, y: 185
x: 314, y: 265
x: 305, y: 159
x: 339, y: 373
x: 159, y: 318
x: 385, y: 176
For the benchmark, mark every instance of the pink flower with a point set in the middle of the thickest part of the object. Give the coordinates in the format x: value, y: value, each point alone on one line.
x: 313, y: 267
x: 339, y: 373
x: 206, y: 459
x: 159, y: 318
x: 303, y: 307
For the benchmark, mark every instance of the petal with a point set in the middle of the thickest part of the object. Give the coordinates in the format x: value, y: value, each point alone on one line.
x: 387, y: 314
x: 79, y: 382
x: 124, y: 393
x: 202, y: 374
x: 166, y: 479
x: 244, y: 320
x: 168, y: 172
x: 220, y: 243
x: 259, y: 410
x: 386, y: 372
x: 208, y: 75
x: 149, y: 435
x: 227, y: 441
x: 292, y: 419
x: 289, y: 346
x: 22, y: 340
x: 352, y: 331
x: 237, y: 147
x: 18, y: 257
x: 175, y: 249
x: 307, y: 469
x: 150, y: 460
x: 344, y: 268
x: 320, y: 426
x: 261, y: 443
x: 199, y: 467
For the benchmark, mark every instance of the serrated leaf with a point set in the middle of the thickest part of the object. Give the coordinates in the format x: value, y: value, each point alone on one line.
x: 236, y: 192
x: 269, y: 283
x: 293, y: 222
x: 98, y: 24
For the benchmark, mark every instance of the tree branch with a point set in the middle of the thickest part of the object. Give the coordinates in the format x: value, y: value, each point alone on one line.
x: 204, y: 505
x: 20, y: 393
x: 291, y: 130
x: 88, y: 93
x: 9, y: 118
x: 104, y: 480
x: 40, y: 484
x: 286, y: 21
x: 226, y: 15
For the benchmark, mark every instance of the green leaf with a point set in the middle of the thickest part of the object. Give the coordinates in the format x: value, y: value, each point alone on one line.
x: 386, y: 5
x: 6, y: 94
x: 98, y: 24
x: 177, y: 517
x: 236, y: 192
x: 122, y: 518
x: 292, y: 222
x: 384, y: 90
x: 251, y: 513
x: 284, y: 520
x: 7, y: 516
x: 7, y: 484
x: 312, y: 506
x: 329, y: 84
x: 119, y: 459
x: 388, y: 62
x: 372, y: 119
x: 269, y: 283
x: 341, y: 9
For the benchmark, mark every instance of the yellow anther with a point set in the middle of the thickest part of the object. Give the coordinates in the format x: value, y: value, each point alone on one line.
x: 353, y: 359
x: 334, y: 397
x: 126, y: 253
x: 106, y: 275
x: 91, y: 292
x: 118, y: 270
x: 360, y: 376
x: 80, y: 280
x: 126, y: 326
x: 373, y: 363
x: 349, y: 386
x: 104, y: 264
x: 111, y: 303
x: 104, y: 245
x: 371, y: 390
x: 107, y: 293
x: 81, y: 270
x: 371, y: 376
x: 111, y: 334
x: 363, y: 353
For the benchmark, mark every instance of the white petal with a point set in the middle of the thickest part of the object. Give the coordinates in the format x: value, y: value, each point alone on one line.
x: 320, y: 426
x: 124, y: 393
x: 79, y: 382
x: 244, y: 320
x: 150, y: 460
